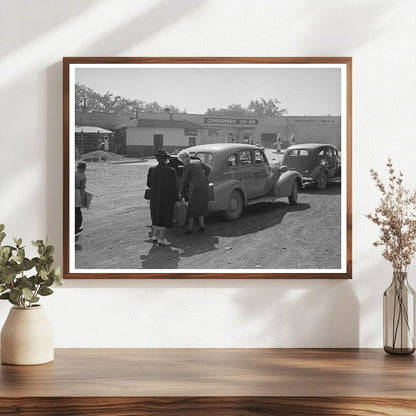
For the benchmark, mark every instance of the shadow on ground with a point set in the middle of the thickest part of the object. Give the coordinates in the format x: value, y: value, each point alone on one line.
x: 158, y: 255
x: 254, y: 219
x: 332, y: 189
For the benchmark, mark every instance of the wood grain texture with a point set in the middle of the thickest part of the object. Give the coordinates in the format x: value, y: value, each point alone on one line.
x: 206, y: 60
x: 67, y: 61
x: 207, y: 406
x: 212, y: 381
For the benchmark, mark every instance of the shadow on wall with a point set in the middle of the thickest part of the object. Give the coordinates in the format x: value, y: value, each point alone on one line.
x: 300, y: 313
x: 356, y: 27
x: 41, y: 16
x: 139, y: 28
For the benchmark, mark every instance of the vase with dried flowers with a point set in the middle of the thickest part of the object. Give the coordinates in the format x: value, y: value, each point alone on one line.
x: 396, y: 217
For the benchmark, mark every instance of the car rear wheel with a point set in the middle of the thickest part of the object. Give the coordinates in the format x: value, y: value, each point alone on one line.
x: 293, y: 197
x: 235, y: 207
x: 322, y: 181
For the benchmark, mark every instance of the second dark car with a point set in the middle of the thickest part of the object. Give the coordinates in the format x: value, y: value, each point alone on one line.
x: 318, y: 163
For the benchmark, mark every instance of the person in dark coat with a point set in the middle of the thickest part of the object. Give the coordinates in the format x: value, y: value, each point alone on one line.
x: 161, y: 179
x: 80, y: 183
x: 195, y: 178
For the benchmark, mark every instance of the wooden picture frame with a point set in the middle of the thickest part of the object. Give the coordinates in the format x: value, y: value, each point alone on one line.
x: 269, y: 240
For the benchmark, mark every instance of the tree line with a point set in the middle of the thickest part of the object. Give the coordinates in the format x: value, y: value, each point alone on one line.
x: 116, y: 104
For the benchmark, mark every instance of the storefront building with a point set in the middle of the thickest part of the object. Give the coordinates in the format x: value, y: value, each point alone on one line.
x: 230, y: 129
x: 144, y: 137
x: 301, y: 129
x: 145, y: 133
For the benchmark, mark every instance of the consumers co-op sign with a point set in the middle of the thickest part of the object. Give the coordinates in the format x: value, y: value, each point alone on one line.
x: 220, y: 121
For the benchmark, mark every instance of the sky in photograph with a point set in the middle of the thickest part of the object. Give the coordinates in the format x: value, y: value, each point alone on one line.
x: 303, y: 91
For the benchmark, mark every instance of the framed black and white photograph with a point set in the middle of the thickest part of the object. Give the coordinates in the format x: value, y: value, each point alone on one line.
x: 207, y: 167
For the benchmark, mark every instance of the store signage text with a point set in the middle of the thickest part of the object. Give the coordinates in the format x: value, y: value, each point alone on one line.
x: 230, y: 121
x: 313, y: 121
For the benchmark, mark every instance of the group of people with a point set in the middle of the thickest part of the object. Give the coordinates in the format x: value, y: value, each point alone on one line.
x: 167, y: 189
x: 278, y: 142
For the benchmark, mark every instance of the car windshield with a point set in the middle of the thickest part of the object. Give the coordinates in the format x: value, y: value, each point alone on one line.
x: 205, y: 157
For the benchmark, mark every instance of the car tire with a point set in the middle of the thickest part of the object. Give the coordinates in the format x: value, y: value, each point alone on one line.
x: 293, y: 197
x: 322, y: 181
x: 235, y: 206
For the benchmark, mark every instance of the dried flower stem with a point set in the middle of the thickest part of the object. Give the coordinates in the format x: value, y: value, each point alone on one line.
x: 396, y: 217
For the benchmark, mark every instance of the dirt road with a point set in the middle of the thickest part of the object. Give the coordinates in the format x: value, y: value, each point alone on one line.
x: 268, y: 236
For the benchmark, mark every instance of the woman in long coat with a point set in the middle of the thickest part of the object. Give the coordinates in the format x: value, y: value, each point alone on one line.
x: 80, y: 183
x: 161, y: 179
x: 195, y: 177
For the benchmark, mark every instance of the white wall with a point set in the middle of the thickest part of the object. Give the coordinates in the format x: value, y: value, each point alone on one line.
x: 144, y: 136
x: 380, y: 35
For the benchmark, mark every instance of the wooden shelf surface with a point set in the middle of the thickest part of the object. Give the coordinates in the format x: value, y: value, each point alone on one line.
x: 212, y: 381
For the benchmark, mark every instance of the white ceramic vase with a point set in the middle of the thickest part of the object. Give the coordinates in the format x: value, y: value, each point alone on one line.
x: 27, y: 337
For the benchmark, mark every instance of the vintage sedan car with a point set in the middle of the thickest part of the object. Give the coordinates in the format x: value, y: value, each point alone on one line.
x: 318, y: 163
x: 242, y: 176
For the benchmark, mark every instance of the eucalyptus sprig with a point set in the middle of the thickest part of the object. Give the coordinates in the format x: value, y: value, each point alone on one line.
x: 396, y: 217
x: 16, y: 285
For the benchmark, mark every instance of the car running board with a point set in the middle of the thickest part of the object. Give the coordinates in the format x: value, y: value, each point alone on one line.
x: 263, y: 199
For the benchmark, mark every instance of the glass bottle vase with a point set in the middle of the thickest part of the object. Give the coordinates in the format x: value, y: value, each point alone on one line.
x: 399, y: 316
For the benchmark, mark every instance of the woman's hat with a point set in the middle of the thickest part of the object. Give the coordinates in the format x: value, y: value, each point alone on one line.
x: 162, y: 153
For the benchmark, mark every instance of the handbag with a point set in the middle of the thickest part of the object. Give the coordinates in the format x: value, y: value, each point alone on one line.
x: 179, y: 214
x: 147, y: 193
x: 87, y: 199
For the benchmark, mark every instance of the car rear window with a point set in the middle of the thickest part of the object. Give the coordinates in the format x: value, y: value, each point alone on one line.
x: 298, y: 152
x: 259, y: 158
x: 325, y: 153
